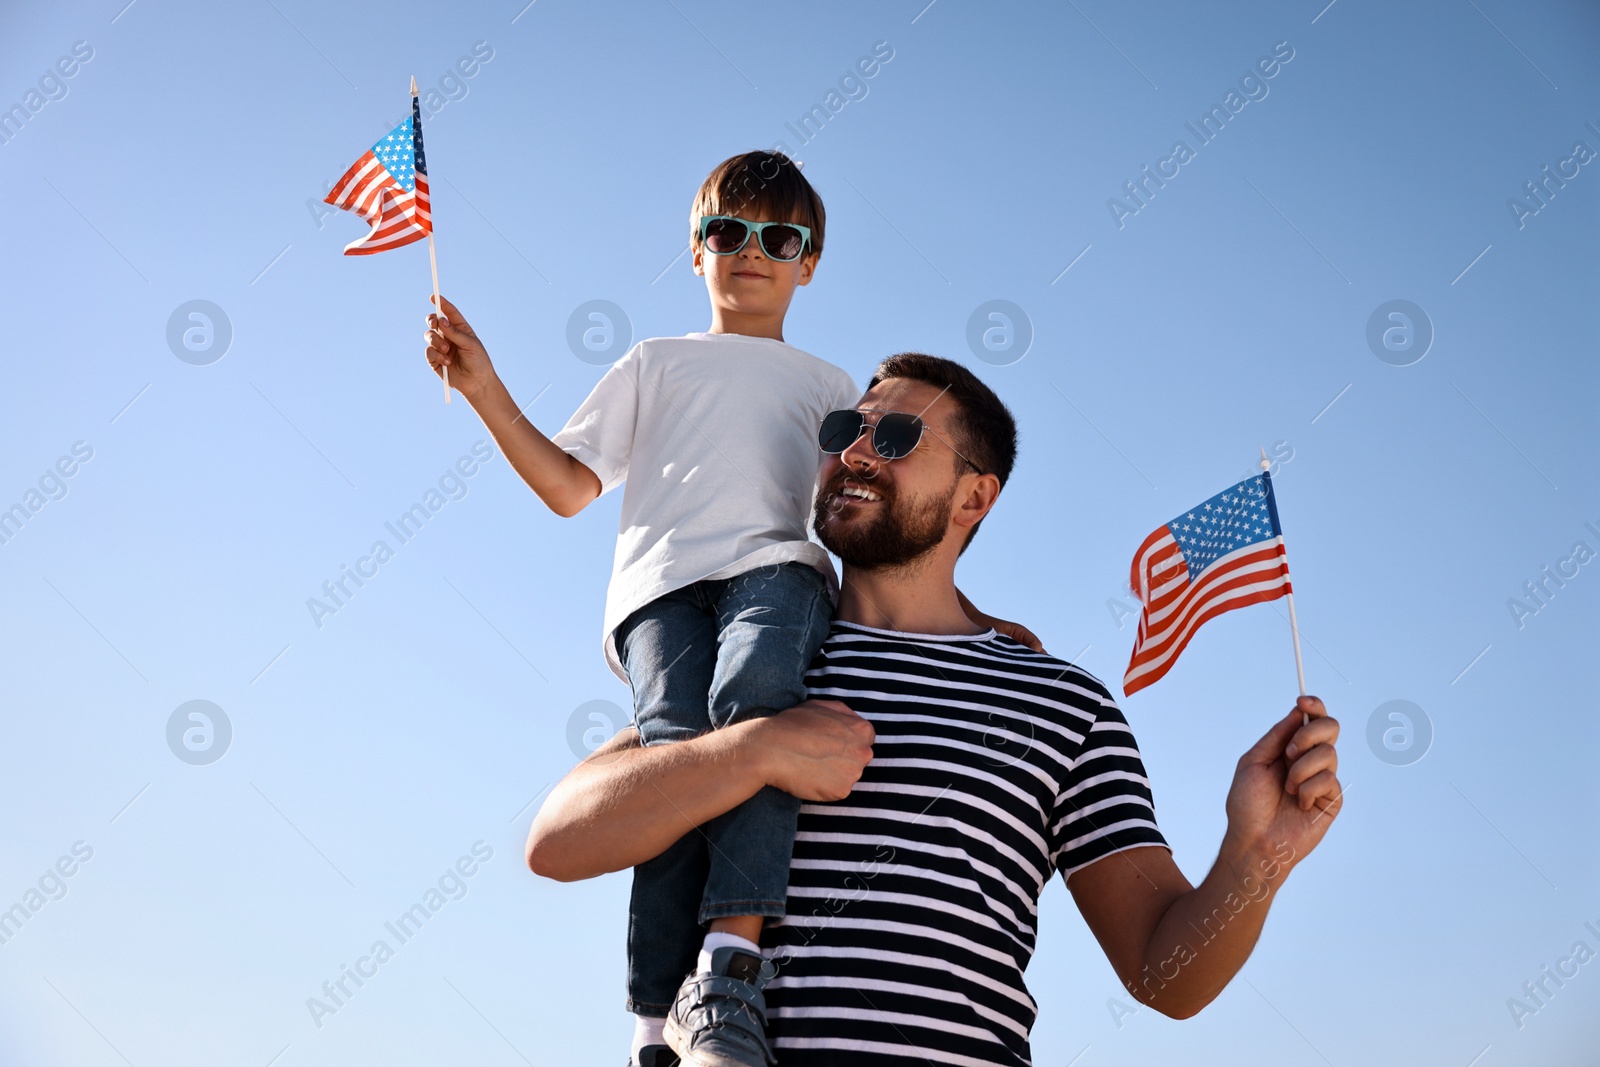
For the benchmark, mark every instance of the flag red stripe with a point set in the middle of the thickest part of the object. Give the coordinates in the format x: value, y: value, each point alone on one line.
x: 397, y: 217
x: 1162, y: 607
x: 1177, y: 608
x: 391, y: 232
x: 359, y: 250
x: 340, y: 195
x: 1156, y: 638
x: 1135, y: 573
x: 369, y: 197
x: 1257, y: 565
x: 1133, y: 682
x: 396, y: 220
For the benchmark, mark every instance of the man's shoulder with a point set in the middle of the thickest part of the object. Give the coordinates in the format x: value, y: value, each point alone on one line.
x: 1044, y: 661
x: 992, y: 661
x: 1052, y: 671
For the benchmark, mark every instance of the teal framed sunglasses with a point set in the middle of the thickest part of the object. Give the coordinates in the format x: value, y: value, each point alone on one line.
x: 784, y: 242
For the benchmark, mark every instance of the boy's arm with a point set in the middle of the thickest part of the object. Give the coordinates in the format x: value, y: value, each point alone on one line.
x: 564, y: 483
x: 626, y: 803
x: 1014, y: 630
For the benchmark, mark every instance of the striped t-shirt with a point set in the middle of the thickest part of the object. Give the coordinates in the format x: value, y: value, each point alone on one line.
x: 913, y: 902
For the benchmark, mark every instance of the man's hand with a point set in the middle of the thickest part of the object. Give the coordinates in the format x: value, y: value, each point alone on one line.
x: 815, y: 750
x: 1148, y: 919
x: 627, y: 803
x: 451, y: 343
x: 1285, y: 790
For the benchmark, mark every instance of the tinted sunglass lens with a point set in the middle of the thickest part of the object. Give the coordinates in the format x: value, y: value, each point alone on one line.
x: 726, y: 236
x: 896, y: 435
x: 839, y: 431
x: 782, y: 243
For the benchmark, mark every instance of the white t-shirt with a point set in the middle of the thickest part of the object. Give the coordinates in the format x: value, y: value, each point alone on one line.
x: 716, y: 436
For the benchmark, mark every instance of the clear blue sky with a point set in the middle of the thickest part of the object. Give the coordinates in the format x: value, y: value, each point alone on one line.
x: 182, y: 161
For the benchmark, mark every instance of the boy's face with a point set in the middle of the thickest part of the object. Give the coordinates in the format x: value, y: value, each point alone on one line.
x: 749, y: 282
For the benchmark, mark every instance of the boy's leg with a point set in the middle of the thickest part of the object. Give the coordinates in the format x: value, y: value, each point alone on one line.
x: 669, y: 650
x: 771, y: 623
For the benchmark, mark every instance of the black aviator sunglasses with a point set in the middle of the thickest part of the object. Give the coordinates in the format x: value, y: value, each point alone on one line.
x: 894, y: 435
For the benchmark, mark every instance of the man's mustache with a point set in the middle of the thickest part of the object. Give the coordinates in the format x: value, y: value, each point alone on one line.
x: 867, y: 479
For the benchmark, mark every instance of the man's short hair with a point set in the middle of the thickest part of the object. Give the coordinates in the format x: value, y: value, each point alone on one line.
x: 983, y: 428
x: 753, y: 184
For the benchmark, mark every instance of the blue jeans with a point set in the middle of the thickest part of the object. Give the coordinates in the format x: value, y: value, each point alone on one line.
x: 711, y: 654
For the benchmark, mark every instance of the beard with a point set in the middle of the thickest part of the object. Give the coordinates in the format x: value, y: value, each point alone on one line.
x: 902, y: 532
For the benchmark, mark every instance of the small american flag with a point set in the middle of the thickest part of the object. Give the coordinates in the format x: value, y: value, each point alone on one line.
x: 388, y: 186
x: 1224, y: 554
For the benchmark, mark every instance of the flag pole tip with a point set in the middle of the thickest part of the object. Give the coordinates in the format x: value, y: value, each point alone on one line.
x: 1265, y: 465
x: 413, y: 85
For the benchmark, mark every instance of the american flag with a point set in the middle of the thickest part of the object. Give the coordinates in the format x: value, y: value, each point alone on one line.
x: 1224, y: 554
x: 388, y: 186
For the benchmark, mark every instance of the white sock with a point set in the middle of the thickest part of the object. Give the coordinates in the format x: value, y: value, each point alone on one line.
x: 646, y: 1031
x: 717, y: 939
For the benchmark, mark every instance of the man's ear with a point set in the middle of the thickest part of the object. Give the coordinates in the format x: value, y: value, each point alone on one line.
x: 976, y: 502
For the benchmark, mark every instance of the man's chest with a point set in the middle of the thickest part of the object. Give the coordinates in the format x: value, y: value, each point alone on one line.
x: 966, y: 794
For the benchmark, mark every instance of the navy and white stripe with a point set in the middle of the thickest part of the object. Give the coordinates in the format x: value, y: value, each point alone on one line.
x: 913, y: 903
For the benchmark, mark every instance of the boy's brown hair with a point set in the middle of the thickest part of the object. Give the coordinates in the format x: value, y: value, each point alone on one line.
x: 758, y: 185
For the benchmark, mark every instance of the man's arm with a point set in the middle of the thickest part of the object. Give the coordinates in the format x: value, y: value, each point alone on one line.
x: 1176, y: 946
x: 626, y: 803
x: 564, y: 483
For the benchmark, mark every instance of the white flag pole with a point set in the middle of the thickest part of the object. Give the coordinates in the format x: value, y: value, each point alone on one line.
x: 433, y: 264
x: 1294, y: 624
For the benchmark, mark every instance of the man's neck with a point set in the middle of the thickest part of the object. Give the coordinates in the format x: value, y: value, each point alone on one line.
x: 920, y: 599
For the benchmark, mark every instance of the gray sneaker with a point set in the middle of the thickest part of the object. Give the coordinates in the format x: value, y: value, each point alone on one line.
x: 720, y: 1019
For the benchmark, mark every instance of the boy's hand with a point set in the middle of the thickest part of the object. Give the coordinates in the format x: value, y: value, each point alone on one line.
x: 451, y: 343
x: 1014, y: 630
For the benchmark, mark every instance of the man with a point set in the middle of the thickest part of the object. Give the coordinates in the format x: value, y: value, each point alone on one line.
x: 959, y: 771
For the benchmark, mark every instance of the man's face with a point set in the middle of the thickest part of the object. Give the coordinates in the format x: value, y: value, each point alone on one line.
x: 875, y: 513
x: 749, y: 281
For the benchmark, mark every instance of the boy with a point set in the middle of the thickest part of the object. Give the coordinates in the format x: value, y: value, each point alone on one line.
x: 718, y: 600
